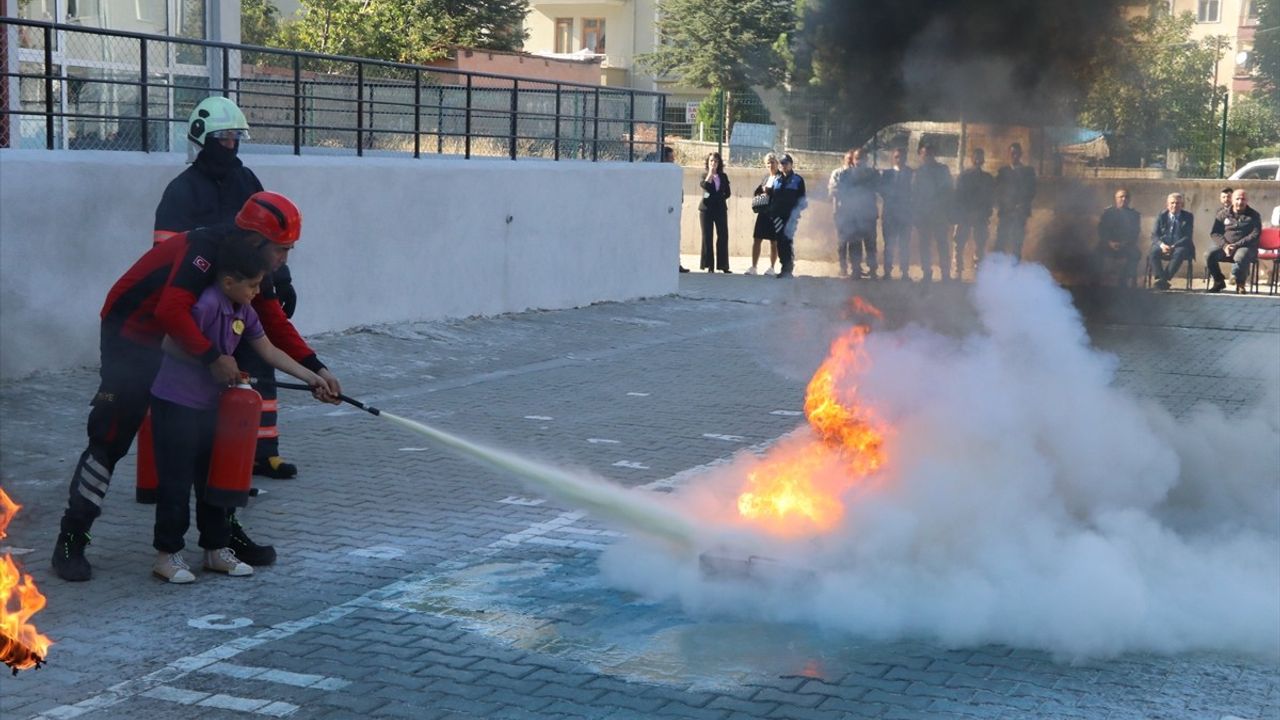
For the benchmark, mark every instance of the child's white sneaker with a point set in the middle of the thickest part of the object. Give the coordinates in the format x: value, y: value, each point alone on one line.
x: 769, y: 272
x: 223, y: 560
x: 751, y: 270
x: 173, y: 568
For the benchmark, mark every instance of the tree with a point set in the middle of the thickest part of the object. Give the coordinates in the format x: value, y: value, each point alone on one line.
x: 1266, y: 46
x: 1253, y: 129
x: 410, y: 31
x: 259, y: 22
x: 721, y: 43
x: 1158, y: 94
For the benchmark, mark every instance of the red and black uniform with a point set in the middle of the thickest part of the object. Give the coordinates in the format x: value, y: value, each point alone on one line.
x: 153, y: 299
x: 209, y: 194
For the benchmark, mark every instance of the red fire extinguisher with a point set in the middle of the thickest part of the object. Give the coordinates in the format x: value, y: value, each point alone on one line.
x: 234, y: 441
x: 147, y: 480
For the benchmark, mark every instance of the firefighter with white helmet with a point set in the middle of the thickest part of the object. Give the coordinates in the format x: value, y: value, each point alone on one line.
x: 209, y: 194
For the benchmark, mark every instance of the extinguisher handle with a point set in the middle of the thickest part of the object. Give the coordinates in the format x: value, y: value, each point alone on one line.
x: 350, y: 400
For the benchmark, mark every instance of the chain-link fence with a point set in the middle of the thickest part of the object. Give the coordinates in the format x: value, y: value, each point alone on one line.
x: 84, y: 88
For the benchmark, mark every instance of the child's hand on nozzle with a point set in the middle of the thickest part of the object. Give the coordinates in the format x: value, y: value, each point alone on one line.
x: 320, y: 390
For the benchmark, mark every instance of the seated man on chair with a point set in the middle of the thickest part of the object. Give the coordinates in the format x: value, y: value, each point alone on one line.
x: 1171, y: 240
x: 1235, y: 231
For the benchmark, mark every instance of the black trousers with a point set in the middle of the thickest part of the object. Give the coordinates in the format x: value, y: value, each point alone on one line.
x: 719, y: 219
x: 933, y: 237
x: 897, y: 242
x: 184, y: 443
x: 1011, y: 231
x: 855, y: 241
x: 124, y: 392
x: 976, y: 228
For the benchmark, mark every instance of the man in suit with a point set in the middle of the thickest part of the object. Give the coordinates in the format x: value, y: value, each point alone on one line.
x: 1015, y: 189
x: 895, y: 220
x: 975, y: 196
x: 931, y: 193
x: 1171, y: 240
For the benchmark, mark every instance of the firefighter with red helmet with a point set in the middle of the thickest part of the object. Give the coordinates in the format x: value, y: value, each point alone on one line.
x: 153, y: 299
x: 209, y: 193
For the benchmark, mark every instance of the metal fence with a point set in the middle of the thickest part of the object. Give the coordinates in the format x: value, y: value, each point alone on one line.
x: 71, y: 87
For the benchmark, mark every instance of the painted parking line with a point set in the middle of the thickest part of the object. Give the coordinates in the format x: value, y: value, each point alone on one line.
x: 256, y: 706
x: 282, y: 677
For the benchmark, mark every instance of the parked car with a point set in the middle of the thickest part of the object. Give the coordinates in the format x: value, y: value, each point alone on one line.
x: 1265, y: 169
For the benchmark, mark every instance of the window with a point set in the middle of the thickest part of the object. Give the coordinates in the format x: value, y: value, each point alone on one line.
x: 593, y: 34
x: 564, y: 35
x: 944, y: 144
x: 1209, y: 11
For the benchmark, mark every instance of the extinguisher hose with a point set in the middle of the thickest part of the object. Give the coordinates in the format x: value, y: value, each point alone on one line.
x: 352, y: 401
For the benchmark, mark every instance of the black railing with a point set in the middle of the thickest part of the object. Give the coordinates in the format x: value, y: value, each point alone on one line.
x: 89, y: 88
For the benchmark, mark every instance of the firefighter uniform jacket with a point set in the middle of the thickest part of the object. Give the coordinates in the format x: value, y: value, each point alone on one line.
x: 203, y: 196
x: 154, y: 298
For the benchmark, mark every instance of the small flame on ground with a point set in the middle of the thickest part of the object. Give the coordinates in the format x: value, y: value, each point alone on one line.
x: 21, y: 645
x: 798, y: 490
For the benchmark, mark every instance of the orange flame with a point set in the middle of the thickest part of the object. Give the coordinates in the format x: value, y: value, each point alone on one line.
x: 798, y: 490
x: 21, y: 645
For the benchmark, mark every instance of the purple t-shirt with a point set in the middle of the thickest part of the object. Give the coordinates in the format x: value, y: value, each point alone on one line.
x: 190, y: 384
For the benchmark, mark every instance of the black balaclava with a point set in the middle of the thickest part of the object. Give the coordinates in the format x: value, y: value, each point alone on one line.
x: 217, y: 160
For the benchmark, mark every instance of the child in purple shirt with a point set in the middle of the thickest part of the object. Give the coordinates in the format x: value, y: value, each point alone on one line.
x: 184, y: 402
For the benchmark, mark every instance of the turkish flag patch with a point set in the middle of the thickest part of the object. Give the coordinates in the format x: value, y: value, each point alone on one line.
x: 201, y: 263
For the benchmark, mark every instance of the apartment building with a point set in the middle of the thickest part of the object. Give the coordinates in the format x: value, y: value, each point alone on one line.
x: 617, y: 31
x: 1237, y: 20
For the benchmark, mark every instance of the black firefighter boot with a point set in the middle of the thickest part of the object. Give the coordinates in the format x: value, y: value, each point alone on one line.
x: 247, y: 550
x: 69, y: 561
x: 276, y: 467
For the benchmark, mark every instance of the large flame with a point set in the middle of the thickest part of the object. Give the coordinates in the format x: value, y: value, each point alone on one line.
x: 798, y: 489
x: 21, y: 645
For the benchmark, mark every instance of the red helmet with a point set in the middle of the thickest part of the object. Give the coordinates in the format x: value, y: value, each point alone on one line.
x: 272, y: 215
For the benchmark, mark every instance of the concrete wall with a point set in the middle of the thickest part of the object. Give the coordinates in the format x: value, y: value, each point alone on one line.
x: 384, y: 240
x: 1074, y: 203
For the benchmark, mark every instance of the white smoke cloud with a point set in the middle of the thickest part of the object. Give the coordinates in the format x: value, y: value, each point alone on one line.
x: 1027, y: 500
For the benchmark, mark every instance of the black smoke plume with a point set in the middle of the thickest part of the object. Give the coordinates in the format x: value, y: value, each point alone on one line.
x: 869, y: 63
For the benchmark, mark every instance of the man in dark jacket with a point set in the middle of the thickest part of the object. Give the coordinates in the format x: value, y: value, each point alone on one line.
x: 1171, y: 240
x: 931, y: 193
x: 1015, y: 189
x: 1236, y: 231
x: 1118, y: 230
x: 895, y: 220
x: 209, y: 194
x: 975, y: 197
x: 789, y: 201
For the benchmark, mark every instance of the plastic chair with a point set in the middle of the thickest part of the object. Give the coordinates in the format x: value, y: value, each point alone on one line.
x: 1268, y: 249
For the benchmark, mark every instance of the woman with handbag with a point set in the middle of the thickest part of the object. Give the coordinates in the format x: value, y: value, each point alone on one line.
x: 765, y: 228
x: 714, y: 211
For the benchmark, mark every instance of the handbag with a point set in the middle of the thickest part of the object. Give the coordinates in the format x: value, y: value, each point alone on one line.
x: 760, y: 203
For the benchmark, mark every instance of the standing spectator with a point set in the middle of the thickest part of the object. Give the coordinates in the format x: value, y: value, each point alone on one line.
x: 895, y: 221
x: 1236, y: 231
x: 853, y: 198
x: 714, y: 211
x: 764, y: 229
x: 788, y: 203
x: 931, y: 195
x: 1171, y: 240
x: 184, y: 403
x: 1118, y: 230
x: 210, y: 193
x: 1224, y: 197
x: 975, y: 198
x: 1015, y: 189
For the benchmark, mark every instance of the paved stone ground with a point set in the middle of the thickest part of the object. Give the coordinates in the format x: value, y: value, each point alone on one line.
x: 415, y: 584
